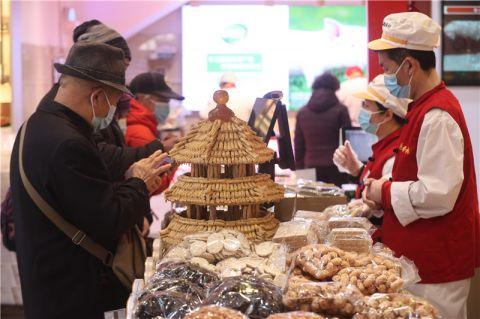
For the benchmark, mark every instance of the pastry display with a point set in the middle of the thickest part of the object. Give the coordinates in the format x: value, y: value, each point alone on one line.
x: 322, y: 262
x: 350, y: 239
x: 330, y: 298
x: 370, y: 280
x: 215, y: 312
x: 252, y: 296
x: 223, y: 190
x: 162, y: 304
x: 295, y: 234
x: 296, y: 315
x: 396, y: 306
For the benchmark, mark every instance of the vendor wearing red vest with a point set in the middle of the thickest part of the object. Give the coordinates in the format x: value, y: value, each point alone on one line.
x: 430, y: 205
x: 382, y: 114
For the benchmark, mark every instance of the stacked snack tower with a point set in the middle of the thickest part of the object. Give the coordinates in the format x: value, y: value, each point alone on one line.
x: 223, y: 190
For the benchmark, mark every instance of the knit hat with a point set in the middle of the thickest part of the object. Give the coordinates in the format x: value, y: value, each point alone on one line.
x: 96, y: 31
x: 326, y: 81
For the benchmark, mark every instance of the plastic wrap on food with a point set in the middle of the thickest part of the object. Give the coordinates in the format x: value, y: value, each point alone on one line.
x: 311, y: 215
x: 321, y: 262
x: 162, y: 304
x: 396, y: 306
x: 350, y: 239
x: 215, y: 312
x: 370, y: 280
x: 193, y: 292
x: 185, y: 270
x: 329, y: 298
x: 296, y: 315
x: 319, y: 222
x: 295, y: 234
x: 355, y: 209
x: 350, y: 222
x: 254, y: 297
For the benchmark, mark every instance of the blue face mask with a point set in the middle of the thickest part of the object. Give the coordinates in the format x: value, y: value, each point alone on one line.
x: 364, y: 120
x: 162, y: 110
x: 99, y: 123
x: 392, y: 84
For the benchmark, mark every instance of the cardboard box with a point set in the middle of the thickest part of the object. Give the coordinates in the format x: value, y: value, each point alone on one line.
x: 285, y: 208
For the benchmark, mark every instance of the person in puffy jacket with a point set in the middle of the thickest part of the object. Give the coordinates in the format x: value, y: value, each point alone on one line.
x: 317, y: 130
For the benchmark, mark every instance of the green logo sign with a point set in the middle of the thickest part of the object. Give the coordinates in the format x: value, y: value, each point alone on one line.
x: 234, y: 33
x: 234, y: 62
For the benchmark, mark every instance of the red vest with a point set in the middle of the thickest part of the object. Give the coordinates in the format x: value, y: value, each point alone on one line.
x: 445, y: 248
x: 383, y: 150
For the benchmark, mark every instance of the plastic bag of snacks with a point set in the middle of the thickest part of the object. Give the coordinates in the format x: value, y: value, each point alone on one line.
x: 321, y: 262
x: 296, y: 234
x: 328, y: 298
x: 194, y: 294
x: 354, y: 209
x: 319, y: 221
x: 215, y: 312
x: 296, y: 315
x: 350, y: 239
x: 396, y: 306
x: 350, y: 222
x: 252, y: 296
x: 162, y: 304
x: 185, y: 270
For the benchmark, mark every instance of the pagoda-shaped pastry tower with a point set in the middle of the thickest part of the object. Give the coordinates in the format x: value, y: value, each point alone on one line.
x: 223, y: 189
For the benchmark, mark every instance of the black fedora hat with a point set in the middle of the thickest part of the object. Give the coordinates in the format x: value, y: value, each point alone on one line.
x: 153, y: 83
x: 97, y: 62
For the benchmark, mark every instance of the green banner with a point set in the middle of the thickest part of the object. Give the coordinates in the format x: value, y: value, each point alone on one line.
x: 311, y: 18
x: 234, y: 62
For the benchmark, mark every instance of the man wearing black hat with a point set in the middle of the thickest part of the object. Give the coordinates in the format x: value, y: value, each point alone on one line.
x: 59, y: 278
x: 149, y: 108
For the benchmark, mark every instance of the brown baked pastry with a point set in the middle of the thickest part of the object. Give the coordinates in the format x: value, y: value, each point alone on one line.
x: 296, y: 315
x: 215, y: 312
x: 370, y: 280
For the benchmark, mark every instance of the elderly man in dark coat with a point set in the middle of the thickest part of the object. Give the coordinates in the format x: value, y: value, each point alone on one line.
x: 59, y: 278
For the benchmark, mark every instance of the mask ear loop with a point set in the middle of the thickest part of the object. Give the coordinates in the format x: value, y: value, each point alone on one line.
x: 91, y: 103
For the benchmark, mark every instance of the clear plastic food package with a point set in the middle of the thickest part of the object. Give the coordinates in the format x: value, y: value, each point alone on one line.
x: 370, y: 280
x: 215, y: 312
x: 296, y: 315
x: 185, y: 270
x: 350, y: 239
x: 162, y: 304
x: 296, y: 234
x: 254, y: 297
x: 396, y: 306
x: 330, y: 298
x: 194, y: 294
x: 350, y: 222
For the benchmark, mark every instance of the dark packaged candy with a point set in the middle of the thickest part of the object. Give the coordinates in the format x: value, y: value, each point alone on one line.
x: 191, y: 272
x: 162, y: 304
x: 193, y: 292
x: 255, y: 297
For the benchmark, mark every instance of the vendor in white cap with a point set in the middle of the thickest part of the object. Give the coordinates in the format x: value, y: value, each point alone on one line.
x: 381, y: 114
x: 430, y: 204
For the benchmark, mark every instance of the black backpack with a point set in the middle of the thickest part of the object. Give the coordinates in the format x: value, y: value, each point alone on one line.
x: 6, y: 221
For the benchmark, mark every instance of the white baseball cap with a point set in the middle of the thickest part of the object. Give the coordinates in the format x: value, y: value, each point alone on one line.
x: 228, y: 78
x: 378, y: 92
x: 409, y: 30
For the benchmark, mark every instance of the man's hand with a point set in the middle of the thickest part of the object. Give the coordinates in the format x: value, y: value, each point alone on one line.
x: 168, y: 142
x: 372, y: 194
x: 148, y: 169
x: 154, y: 184
x: 146, y: 227
x: 346, y: 160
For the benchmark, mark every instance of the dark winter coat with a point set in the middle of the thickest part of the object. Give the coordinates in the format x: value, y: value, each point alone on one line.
x: 317, y: 129
x: 58, y: 278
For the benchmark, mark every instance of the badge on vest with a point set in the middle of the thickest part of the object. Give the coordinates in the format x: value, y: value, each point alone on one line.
x: 404, y: 149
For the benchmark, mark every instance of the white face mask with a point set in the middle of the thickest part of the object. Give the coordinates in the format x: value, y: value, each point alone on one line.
x: 99, y: 123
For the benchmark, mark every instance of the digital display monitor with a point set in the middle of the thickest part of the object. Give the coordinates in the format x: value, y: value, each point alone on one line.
x: 360, y: 141
x: 461, y: 42
x: 263, y: 116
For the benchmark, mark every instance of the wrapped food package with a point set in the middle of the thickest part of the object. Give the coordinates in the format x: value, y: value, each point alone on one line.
x: 350, y: 222
x: 162, y: 304
x: 330, y: 298
x: 194, y: 294
x: 252, y: 296
x: 185, y: 270
x: 295, y: 234
x: 350, y: 239
x: 319, y: 222
x: 215, y: 312
x: 296, y: 315
x: 354, y: 209
x: 322, y: 262
x: 370, y: 280
x: 396, y: 306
